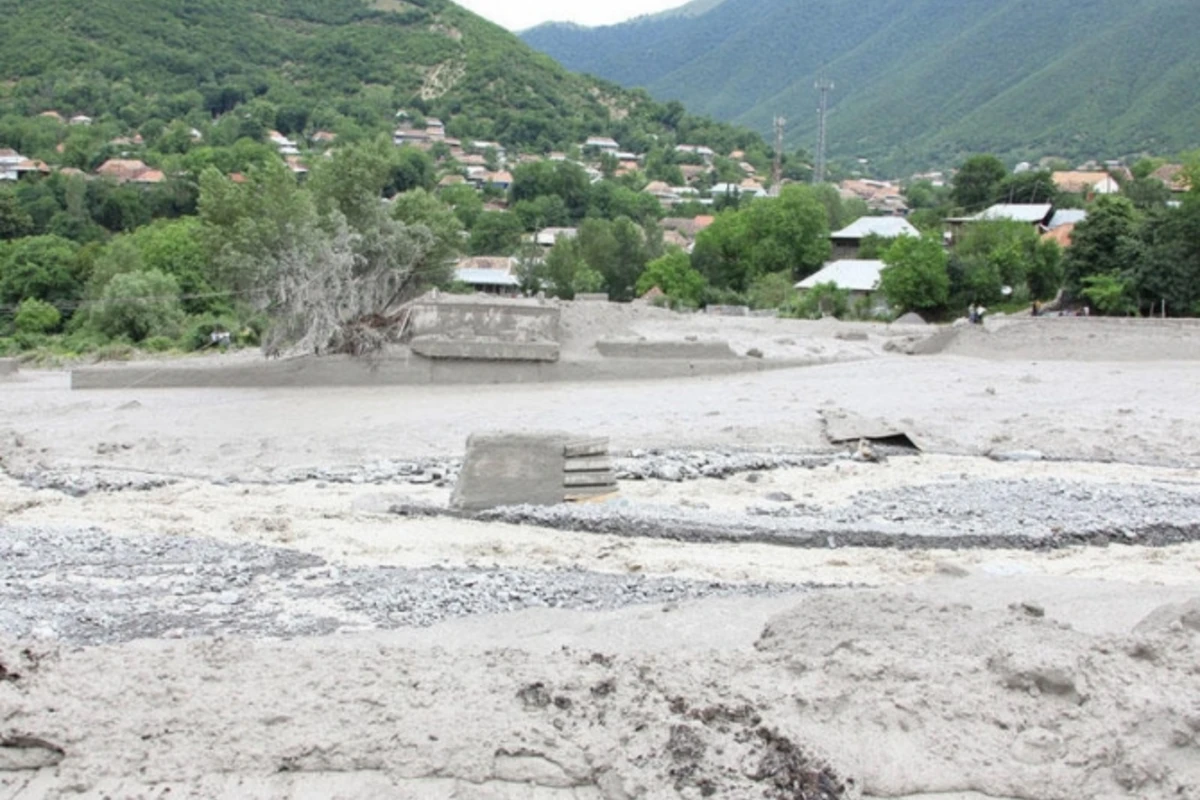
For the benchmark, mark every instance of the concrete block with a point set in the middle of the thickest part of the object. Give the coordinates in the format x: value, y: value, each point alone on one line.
x: 591, y: 297
x: 507, y: 320
x: 437, y: 347
x: 504, y: 469
x: 9, y: 366
x: 636, y: 348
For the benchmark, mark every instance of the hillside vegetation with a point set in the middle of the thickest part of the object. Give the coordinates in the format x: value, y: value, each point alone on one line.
x: 922, y: 81
x: 297, y: 65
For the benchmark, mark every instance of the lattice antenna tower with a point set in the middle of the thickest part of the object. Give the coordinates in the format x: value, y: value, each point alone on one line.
x: 777, y: 166
x: 824, y: 86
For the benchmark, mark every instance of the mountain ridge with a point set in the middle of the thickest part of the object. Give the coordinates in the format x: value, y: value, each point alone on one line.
x: 924, y: 81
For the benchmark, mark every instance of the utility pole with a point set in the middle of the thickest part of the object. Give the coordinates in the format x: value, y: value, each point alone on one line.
x: 777, y: 167
x: 824, y: 86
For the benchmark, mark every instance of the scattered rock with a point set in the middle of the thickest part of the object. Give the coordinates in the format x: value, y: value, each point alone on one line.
x: 779, y: 497
x: 20, y: 753
x: 754, y: 352
x: 851, y: 336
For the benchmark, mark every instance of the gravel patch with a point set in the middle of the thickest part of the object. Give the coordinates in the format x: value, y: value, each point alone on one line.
x: 87, y: 586
x: 1032, y: 513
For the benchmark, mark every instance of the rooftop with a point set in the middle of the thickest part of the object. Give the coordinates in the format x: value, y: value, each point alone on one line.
x: 852, y: 274
x: 887, y: 227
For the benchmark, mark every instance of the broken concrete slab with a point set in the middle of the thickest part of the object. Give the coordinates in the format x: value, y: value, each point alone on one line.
x: 640, y: 348
x: 506, y: 469
x: 845, y: 427
x: 440, y: 348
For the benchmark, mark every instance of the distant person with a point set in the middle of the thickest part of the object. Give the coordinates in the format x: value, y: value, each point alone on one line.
x: 973, y: 314
x: 1036, y: 308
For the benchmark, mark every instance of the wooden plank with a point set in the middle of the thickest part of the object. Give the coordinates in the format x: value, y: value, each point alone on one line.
x: 589, y: 479
x: 602, y: 464
x: 586, y: 447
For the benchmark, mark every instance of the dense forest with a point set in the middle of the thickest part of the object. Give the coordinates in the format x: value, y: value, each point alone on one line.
x: 921, y: 82
x: 344, y: 66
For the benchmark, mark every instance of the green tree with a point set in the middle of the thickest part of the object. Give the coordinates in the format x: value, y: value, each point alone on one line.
x: 773, y: 290
x: 15, y: 221
x: 674, y: 275
x: 1102, y: 243
x: 567, y: 270
x: 176, y: 248
x: 36, y: 316
x: 915, y: 278
x: 975, y: 183
x: 138, y: 305
x: 41, y: 267
x: 789, y: 233
x: 1035, y: 186
x: 418, y: 207
x: 496, y: 233
x: 1109, y: 292
x: 465, y: 201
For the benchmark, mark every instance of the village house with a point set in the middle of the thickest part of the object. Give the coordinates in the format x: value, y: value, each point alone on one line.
x: 602, y: 143
x: 548, y: 237
x: 54, y: 115
x: 129, y: 170
x: 848, y: 241
x: 412, y: 137
x: 9, y: 159
x: 81, y: 119
x: 283, y: 144
x: 323, y: 137
x: 705, y: 153
x: 882, y: 197
x: 1173, y: 177
x: 858, y: 277
x: 1085, y: 183
x: 489, y: 274
x: 1037, y: 214
x: 693, y: 172
x: 296, y: 166
x: 750, y: 189
x: 435, y: 128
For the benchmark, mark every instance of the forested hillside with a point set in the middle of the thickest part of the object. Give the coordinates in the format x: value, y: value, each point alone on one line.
x: 295, y: 65
x: 922, y: 81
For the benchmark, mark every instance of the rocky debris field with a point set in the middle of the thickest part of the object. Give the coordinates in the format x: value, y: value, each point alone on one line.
x: 1033, y: 513
x: 86, y: 586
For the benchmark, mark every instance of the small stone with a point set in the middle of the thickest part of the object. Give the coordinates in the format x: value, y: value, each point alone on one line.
x: 779, y: 497
x: 754, y: 352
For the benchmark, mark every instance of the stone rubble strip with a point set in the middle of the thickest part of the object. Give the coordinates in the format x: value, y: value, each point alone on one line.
x: 637, y: 465
x: 87, y: 586
x: 1032, y: 514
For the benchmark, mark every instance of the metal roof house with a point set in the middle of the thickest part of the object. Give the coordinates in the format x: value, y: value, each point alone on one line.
x: 858, y: 276
x: 848, y: 240
x: 1038, y: 214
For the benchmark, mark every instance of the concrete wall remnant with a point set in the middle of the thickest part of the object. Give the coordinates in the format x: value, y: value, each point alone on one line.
x: 437, y: 347
x: 507, y: 469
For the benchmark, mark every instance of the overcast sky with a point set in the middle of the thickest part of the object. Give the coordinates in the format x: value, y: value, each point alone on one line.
x: 518, y: 15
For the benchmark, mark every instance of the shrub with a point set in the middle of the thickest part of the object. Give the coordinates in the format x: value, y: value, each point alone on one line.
x: 36, y: 316
x: 824, y: 299
x: 115, y: 351
x: 158, y: 344
x: 773, y: 290
x: 137, y: 305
